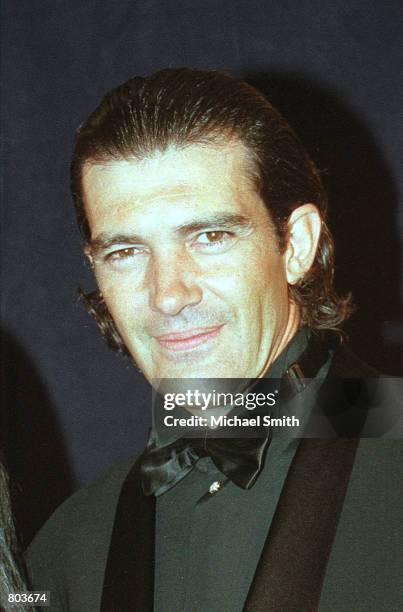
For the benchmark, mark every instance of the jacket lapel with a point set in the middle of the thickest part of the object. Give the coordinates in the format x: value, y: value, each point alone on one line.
x: 129, y: 575
x: 291, y: 569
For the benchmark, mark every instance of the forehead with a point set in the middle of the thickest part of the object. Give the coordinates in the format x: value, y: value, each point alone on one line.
x: 204, y: 178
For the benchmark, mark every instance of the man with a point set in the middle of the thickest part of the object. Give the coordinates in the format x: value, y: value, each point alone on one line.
x: 205, y: 223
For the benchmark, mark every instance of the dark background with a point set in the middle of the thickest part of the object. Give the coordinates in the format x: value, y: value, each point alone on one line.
x: 72, y: 407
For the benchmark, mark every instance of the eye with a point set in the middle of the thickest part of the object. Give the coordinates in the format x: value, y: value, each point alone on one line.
x: 211, y: 237
x: 122, y: 253
x: 122, y: 256
x: 214, y: 241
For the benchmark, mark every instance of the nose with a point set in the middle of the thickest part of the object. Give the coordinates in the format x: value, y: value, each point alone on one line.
x: 174, y: 283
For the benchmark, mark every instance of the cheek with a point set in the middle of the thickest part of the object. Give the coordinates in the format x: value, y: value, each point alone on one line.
x: 252, y: 283
x: 267, y: 298
x: 275, y: 306
x: 120, y: 299
x: 265, y: 279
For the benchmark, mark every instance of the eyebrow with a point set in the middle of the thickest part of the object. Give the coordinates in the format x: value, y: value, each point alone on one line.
x: 227, y: 220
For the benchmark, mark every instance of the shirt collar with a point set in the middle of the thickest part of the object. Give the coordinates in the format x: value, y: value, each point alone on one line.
x: 290, y: 354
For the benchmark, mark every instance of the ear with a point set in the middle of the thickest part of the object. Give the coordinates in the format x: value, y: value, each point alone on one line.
x: 89, y: 256
x: 304, y: 227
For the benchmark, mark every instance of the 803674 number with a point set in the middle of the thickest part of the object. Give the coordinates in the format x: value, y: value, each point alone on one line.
x: 37, y: 598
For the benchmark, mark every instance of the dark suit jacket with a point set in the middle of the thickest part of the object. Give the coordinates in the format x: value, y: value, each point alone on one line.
x: 335, y: 544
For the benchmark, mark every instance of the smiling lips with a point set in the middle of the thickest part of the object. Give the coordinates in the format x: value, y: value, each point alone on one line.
x: 188, y: 339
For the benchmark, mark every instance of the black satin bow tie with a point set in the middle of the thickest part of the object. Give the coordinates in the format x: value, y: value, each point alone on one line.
x: 238, y: 459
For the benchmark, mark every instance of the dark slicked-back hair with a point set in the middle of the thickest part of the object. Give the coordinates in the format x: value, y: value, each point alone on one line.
x: 182, y: 107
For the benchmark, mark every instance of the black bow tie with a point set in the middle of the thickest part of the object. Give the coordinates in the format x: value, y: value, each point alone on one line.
x: 238, y: 459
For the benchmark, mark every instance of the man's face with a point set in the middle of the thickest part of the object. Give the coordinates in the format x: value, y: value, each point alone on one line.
x: 187, y: 261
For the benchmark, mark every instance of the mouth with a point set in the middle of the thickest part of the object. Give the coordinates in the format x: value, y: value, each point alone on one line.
x: 182, y: 341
